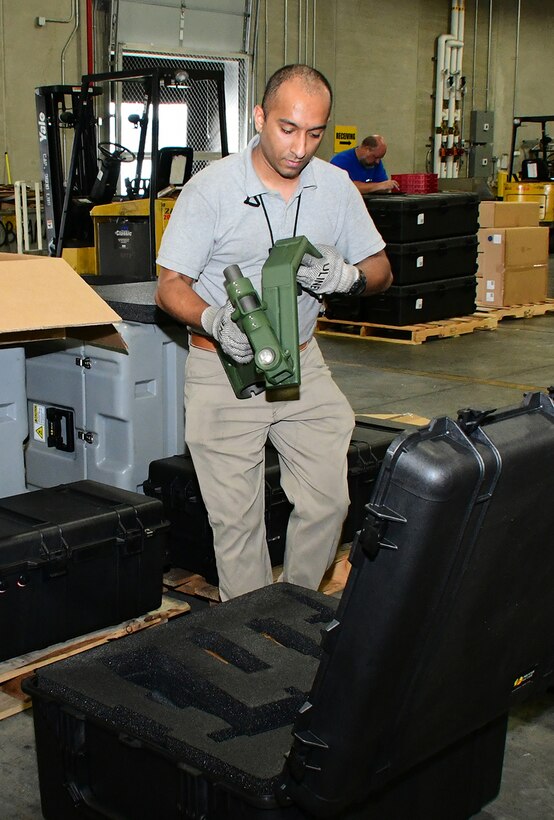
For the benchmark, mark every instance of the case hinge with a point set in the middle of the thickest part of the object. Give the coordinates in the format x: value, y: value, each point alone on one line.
x: 469, y: 419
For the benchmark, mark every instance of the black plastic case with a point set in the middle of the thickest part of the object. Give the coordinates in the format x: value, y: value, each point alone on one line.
x: 173, y: 481
x: 421, y: 302
x: 416, y: 217
x: 401, y: 714
x: 76, y: 558
x: 434, y: 259
x: 190, y: 545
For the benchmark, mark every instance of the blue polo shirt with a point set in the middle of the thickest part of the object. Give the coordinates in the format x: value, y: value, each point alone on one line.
x: 349, y: 162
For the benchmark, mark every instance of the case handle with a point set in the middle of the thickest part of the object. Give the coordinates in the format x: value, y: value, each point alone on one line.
x: 60, y: 429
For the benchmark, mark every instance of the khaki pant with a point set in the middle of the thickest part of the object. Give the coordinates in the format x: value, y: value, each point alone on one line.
x: 226, y: 438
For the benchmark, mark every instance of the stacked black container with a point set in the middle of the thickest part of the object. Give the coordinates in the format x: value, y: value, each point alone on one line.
x: 173, y: 481
x: 432, y: 247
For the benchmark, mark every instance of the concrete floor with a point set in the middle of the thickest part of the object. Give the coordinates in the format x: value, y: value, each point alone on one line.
x: 484, y: 370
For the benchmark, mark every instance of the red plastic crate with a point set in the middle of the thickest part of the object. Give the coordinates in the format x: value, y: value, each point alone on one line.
x: 417, y: 183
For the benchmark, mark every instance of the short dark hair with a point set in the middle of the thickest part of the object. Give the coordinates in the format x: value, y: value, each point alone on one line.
x: 310, y: 77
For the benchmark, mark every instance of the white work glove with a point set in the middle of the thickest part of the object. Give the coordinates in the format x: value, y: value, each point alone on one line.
x: 218, y: 323
x: 328, y: 274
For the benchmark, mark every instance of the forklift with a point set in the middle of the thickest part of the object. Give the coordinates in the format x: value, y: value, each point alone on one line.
x: 99, y: 230
x: 535, y: 182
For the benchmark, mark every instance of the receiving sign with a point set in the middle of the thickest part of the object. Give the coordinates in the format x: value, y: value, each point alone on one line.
x: 346, y: 136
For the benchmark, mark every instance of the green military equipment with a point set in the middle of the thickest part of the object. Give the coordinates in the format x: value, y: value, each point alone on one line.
x: 271, y: 323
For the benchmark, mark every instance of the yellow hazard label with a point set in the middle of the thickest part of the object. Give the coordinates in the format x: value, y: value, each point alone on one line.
x: 39, y: 422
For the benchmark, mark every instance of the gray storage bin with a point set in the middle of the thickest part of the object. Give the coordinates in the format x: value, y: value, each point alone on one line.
x: 102, y: 414
x: 13, y: 420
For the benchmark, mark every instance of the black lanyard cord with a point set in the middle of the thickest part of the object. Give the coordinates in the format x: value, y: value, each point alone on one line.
x: 256, y: 201
x: 262, y: 203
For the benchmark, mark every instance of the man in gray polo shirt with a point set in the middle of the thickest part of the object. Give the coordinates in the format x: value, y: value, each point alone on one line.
x: 233, y: 212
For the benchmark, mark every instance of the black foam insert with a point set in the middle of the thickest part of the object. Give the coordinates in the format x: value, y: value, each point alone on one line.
x: 218, y: 689
x: 134, y: 301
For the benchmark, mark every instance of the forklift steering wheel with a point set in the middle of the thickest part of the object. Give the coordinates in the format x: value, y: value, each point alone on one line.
x: 113, y: 150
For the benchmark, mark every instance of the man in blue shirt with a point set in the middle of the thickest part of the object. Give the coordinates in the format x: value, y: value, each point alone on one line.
x: 364, y: 167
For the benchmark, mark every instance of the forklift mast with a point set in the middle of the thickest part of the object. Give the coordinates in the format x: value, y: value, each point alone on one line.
x: 68, y: 203
x: 58, y: 110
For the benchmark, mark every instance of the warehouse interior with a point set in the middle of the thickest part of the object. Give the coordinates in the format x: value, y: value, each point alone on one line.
x: 459, y: 90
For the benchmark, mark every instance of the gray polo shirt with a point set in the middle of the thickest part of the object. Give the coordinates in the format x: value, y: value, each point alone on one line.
x: 213, y: 225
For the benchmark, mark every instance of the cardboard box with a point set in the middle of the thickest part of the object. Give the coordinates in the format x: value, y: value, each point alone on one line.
x: 509, y: 214
x: 513, y: 286
x: 42, y: 297
x: 501, y: 248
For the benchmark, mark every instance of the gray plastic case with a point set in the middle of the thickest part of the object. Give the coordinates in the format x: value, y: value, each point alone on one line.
x: 102, y: 414
x: 13, y: 420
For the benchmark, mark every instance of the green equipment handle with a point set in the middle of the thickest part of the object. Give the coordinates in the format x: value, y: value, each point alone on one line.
x: 250, y: 315
x: 271, y: 324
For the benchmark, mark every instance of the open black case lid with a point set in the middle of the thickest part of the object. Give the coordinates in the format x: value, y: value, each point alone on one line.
x: 448, y: 614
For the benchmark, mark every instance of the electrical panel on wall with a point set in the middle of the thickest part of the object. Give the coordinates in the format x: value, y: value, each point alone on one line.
x: 481, y: 127
x: 481, y: 135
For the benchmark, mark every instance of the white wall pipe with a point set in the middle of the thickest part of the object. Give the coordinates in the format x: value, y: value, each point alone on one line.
x: 454, y: 15
x: 445, y: 44
x: 450, y: 91
x: 449, y: 165
x: 449, y: 86
x: 439, y: 79
x: 460, y: 16
x: 454, y: 31
x: 439, y: 99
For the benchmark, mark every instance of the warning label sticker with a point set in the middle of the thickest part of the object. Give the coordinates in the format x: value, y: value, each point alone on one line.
x: 39, y: 422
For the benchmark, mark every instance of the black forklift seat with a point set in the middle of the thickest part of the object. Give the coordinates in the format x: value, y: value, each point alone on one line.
x: 535, y: 170
x: 174, y: 167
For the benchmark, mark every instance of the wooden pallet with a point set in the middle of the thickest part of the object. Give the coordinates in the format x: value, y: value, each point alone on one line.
x: 407, y: 334
x: 15, y: 670
x: 190, y: 583
x: 527, y: 311
x: 402, y: 418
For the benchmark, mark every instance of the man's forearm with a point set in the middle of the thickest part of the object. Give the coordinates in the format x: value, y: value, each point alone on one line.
x: 384, y: 187
x: 175, y: 296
